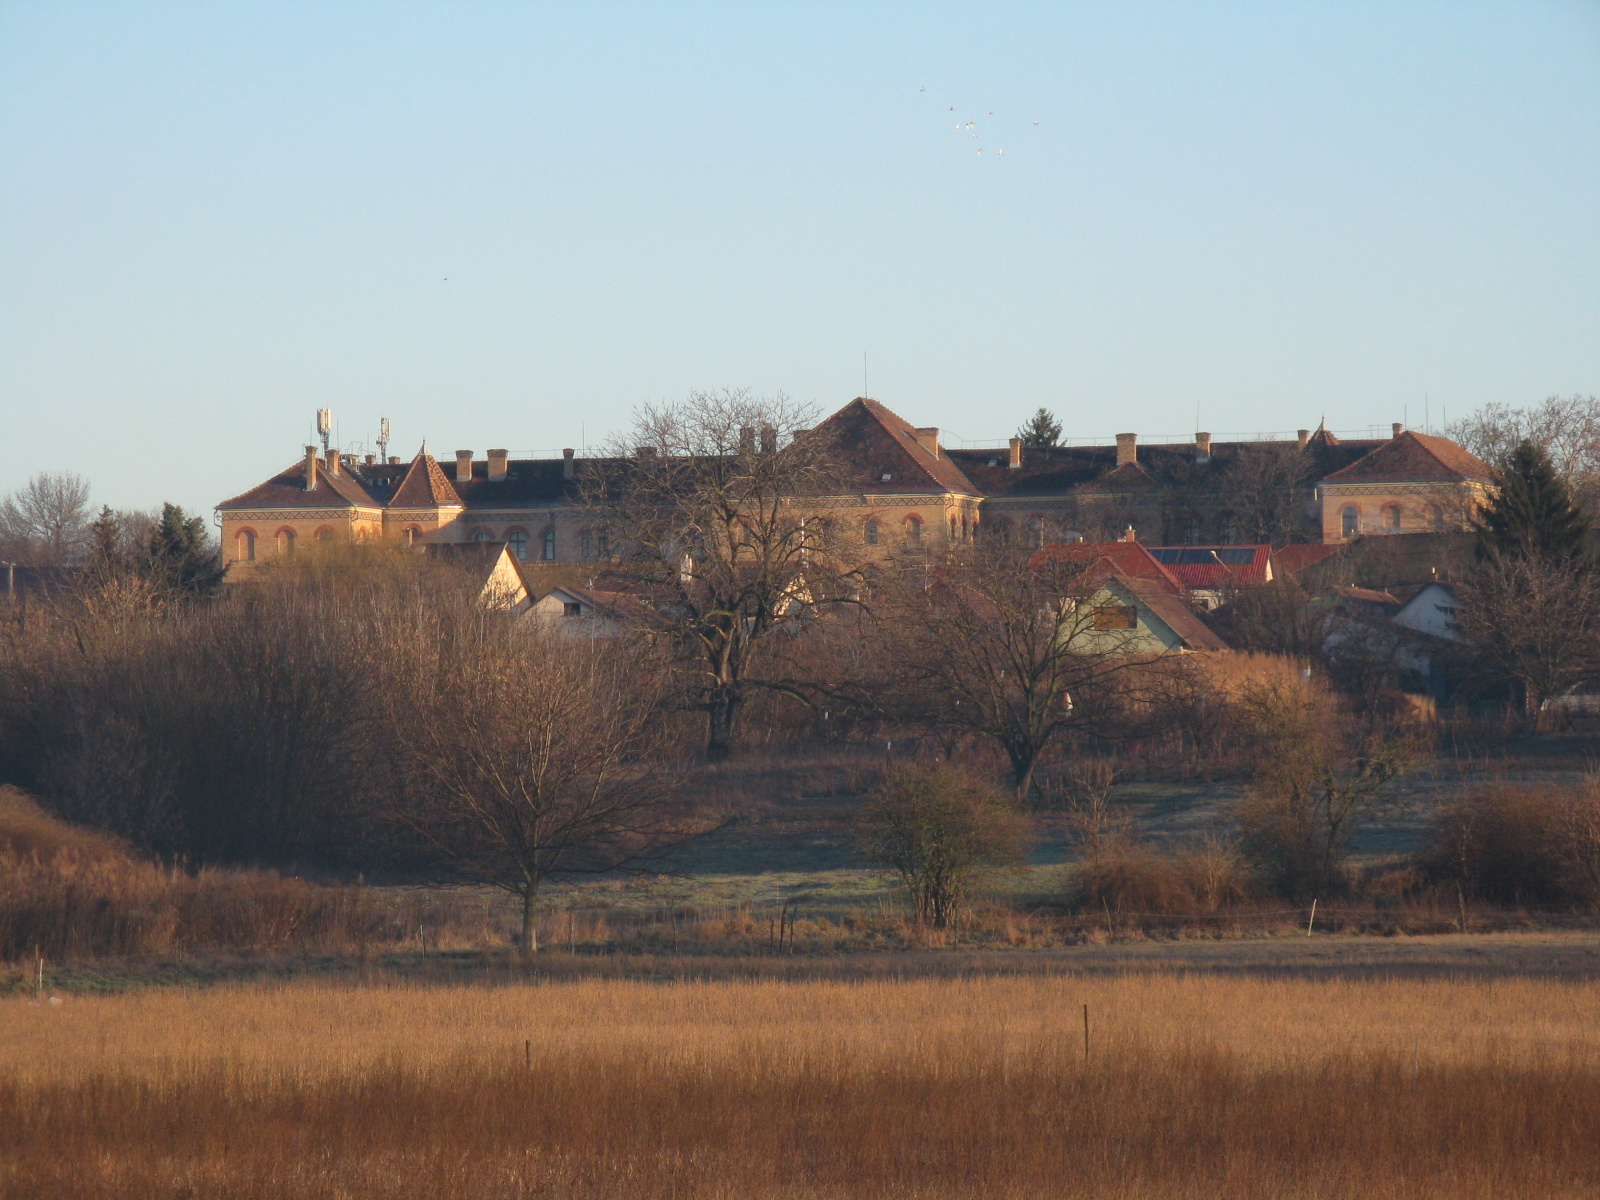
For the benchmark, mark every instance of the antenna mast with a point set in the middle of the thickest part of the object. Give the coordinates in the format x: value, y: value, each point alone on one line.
x: 383, y: 439
x: 324, y: 426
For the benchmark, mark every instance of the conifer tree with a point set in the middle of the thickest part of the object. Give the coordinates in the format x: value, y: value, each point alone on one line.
x: 180, y: 553
x: 1041, y: 432
x: 1533, y: 514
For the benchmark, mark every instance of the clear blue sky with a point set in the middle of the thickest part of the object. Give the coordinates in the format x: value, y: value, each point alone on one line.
x: 507, y: 224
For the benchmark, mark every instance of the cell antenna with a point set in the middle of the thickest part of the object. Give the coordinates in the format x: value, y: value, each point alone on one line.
x: 383, y: 439
x: 324, y: 425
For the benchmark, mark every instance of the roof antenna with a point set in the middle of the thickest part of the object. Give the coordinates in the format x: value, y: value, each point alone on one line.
x: 324, y: 426
x: 383, y: 439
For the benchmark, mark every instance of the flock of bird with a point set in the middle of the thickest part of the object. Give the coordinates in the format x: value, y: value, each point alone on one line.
x: 972, y: 126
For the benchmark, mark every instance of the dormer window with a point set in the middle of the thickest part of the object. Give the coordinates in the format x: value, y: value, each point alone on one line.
x: 886, y: 476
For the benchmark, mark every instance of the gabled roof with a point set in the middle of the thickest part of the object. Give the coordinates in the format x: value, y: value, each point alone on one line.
x: 1125, y: 558
x: 1291, y: 560
x: 1174, y: 613
x: 1415, y: 458
x: 287, y: 490
x: 874, y: 442
x: 618, y: 604
x: 424, y: 486
x: 1216, y: 566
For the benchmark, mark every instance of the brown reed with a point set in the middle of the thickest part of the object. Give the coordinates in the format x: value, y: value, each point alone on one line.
x: 1192, y: 1086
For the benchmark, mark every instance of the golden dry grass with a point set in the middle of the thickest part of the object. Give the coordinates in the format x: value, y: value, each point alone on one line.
x: 1194, y: 1086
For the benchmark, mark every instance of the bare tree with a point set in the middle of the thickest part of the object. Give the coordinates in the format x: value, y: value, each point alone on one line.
x: 1567, y: 428
x: 935, y: 829
x: 536, y: 753
x: 716, y: 525
x: 1313, y: 781
x: 1011, y: 649
x: 45, y: 522
x: 1265, y: 486
x: 1535, y: 620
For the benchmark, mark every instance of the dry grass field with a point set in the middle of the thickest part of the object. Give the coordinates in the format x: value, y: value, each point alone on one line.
x: 1192, y: 1086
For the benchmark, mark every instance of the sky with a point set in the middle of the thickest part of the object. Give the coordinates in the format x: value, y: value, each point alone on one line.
x: 509, y: 224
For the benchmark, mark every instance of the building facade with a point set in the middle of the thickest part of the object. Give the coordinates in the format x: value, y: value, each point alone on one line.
x: 904, y: 492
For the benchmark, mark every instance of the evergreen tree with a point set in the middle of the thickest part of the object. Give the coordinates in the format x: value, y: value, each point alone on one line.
x: 1041, y: 432
x: 105, y: 544
x: 1532, y: 515
x: 180, y: 553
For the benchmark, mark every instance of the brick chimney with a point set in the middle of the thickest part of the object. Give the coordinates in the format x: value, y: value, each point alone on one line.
x: 497, y: 464
x: 463, y: 466
x: 568, y: 467
x: 769, y: 440
x: 311, y: 468
x: 747, y: 440
x: 1202, y: 447
x: 333, y: 462
x: 1128, y: 535
x: 1302, y: 438
x: 371, y: 459
x: 1398, y: 428
x: 1127, y: 448
x: 394, y: 460
x: 928, y: 439
x: 1016, y: 453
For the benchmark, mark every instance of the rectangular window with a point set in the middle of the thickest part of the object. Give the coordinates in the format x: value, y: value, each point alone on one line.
x: 571, y: 608
x: 1115, y: 616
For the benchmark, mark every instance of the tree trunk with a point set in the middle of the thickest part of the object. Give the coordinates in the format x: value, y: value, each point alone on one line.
x: 530, y: 935
x: 719, y: 726
x: 1022, y: 764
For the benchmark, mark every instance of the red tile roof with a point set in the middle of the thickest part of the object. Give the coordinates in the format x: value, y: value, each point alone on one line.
x: 424, y: 486
x: 1216, y: 566
x: 1413, y: 458
x: 1291, y: 560
x: 1128, y: 558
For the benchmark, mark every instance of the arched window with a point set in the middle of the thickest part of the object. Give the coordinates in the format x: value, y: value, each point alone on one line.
x: 1349, y: 522
x: 602, y: 544
x: 1036, y: 530
x: 547, y: 546
x: 324, y: 534
x: 411, y: 534
x: 1436, y: 517
x: 869, y: 531
x: 518, y: 541
x: 1191, y: 530
x: 285, y: 540
x: 955, y: 529
x: 914, y: 527
x: 1227, y: 529
x: 1000, y: 531
x: 1391, y: 518
x: 586, y: 544
x: 480, y: 535
x: 245, y: 546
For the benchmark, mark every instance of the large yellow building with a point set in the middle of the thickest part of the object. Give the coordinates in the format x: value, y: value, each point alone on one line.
x: 906, y: 491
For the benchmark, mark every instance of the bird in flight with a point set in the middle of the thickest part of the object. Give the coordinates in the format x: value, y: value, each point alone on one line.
x: 923, y: 88
x: 999, y: 151
x: 1036, y: 122
x: 991, y: 112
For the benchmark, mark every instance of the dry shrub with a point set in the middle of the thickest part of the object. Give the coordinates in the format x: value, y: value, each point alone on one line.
x: 1521, y: 844
x: 67, y: 892
x: 1132, y: 879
